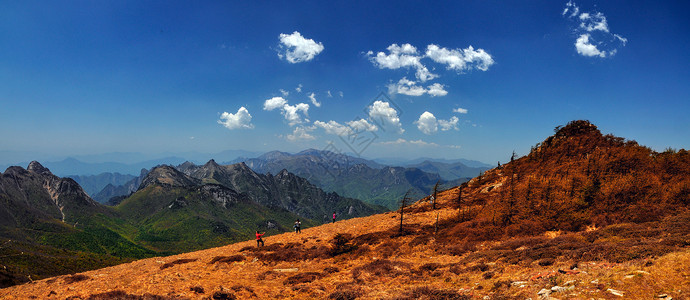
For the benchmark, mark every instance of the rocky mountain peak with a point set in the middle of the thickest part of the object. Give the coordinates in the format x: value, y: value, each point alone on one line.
x: 167, y: 176
x: 36, y: 167
x: 211, y: 163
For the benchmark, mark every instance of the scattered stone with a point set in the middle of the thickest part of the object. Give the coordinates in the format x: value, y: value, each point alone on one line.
x: 616, y: 292
x: 628, y: 276
x: 519, y: 283
x: 561, y: 289
x: 664, y: 296
x: 544, y: 294
x: 286, y: 270
x: 570, y: 282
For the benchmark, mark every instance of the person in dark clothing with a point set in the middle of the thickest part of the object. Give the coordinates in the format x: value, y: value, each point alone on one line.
x: 333, y: 217
x: 297, y: 226
x: 259, y: 241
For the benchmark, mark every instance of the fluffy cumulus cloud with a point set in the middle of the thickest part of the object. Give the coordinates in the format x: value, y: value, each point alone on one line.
x: 410, y: 88
x: 292, y: 113
x: 446, y: 125
x: 460, y: 60
x: 594, y: 38
x: 352, y: 127
x: 301, y: 133
x: 312, y: 97
x: 436, y: 90
x: 428, y: 124
x: 382, y: 114
x: 585, y: 48
x: 407, y: 56
x: 333, y: 127
x: 402, y: 56
x: 362, y: 125
x: 239, y: 120
x: 296, y: 49
x: 275, y: 102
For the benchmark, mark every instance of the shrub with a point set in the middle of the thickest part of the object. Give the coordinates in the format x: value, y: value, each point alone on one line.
x: 302, y: 278
x: 227, y: 259
x: 426, y: 292
x: 75, y: 278
x: 222, y: 295
x: 178, y: 262
x: 197, y: 289
x: 341, y: 243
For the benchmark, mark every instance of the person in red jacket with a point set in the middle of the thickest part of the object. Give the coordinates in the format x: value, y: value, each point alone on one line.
x: 259, y: 241
x: 333, y: 217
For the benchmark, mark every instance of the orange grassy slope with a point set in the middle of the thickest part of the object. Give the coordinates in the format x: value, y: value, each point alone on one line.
x: 376, y: 263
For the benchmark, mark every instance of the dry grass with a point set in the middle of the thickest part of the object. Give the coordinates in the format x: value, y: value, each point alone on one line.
x: 365, y: 258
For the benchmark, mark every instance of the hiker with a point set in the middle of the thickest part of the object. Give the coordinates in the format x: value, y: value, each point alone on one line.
x: 333, y: 217
x: 297, y: 226
x: 259, y: 241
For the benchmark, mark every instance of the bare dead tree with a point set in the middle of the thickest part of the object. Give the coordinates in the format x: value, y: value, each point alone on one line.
x: 403, y: 203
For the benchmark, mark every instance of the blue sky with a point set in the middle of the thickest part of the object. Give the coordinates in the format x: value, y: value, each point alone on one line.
x: 460, y: 79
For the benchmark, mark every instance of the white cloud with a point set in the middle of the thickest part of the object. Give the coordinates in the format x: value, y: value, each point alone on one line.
x: 240, y: 120
x: 460, y: 110
x: 362, y: 125
x: 297, y: 49
x: 594, y: 38
x: 312, y: 97
x: 301, y: 133
x: 329, y: 94
x: 427, y: 123
x: 585, y: 48
x: 597, y: 21
x: 284, y: 92
x: 406, y: 87
x: 572, y: 8
x: 452, y: 123
x: 290, y: 112
x: 299, y: 88
x: 410, y: 88
x: 403, y: 56
x: 460, y: 59
x: 341, y: 94
x: 275, y: 102
x: 384, y: 115
x: 352, y: 127
x: 333, y: 127
x: 436, y: 90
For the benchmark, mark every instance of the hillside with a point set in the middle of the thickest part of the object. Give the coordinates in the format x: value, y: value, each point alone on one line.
x: 581, y: 216
x: 50, y: 226
x: 284, y: 190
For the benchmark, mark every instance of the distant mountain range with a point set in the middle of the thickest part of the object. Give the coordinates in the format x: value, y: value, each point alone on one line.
x: 372, y: 182
x: 363, y: 179
x: 73, y: 167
